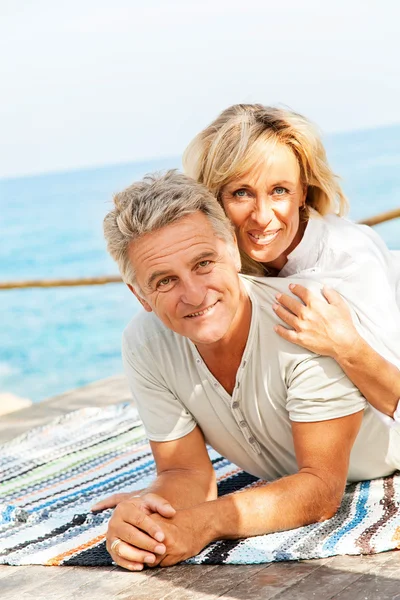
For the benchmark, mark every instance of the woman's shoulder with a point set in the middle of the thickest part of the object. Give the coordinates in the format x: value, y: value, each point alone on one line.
x: 360, y: 242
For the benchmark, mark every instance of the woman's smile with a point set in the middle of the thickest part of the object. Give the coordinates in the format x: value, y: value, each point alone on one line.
x: 265, y: 238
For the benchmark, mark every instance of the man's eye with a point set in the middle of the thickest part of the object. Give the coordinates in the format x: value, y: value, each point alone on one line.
x: 204, y: 263
x: 280, y: 191
x: 163, y: 282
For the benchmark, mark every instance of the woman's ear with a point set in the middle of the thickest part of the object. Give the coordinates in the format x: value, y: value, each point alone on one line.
x: 236, y: 254
x: 305, y: 190
x: 142, y: 301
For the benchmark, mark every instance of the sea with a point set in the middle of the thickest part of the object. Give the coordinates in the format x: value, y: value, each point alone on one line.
x: 56, y: 339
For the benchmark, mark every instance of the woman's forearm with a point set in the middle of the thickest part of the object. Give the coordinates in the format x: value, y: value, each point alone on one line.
x: 377, y: 379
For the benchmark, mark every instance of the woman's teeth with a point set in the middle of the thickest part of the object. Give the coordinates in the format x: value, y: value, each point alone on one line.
x: 265, y: 237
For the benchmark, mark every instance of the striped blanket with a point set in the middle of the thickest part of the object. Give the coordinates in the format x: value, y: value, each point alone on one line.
x: 51, y: 476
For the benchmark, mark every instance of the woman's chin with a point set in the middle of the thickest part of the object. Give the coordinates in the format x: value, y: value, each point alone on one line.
x: 263, y: 256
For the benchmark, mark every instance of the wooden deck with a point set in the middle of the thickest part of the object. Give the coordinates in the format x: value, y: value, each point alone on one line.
x: 339, y: 578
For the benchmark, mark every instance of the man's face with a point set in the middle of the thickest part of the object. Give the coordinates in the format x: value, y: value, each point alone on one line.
x: 189, y: 279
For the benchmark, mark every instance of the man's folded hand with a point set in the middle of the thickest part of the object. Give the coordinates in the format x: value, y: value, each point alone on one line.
x: 134, y: 538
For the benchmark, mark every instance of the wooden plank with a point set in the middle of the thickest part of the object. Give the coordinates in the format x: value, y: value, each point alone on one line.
x: 108, y: 587
x: 273, y: 579
x: 335, y: 576
x: 209, y: 585
x: 381, y: 582
x: 43, y: 583
x: 325, y: 581
x: 6, y: 571
x: 166, y: 581
x: 24, y: 578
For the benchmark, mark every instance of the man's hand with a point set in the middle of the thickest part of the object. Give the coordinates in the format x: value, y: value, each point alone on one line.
x: 134, y: 538
x: 325, y: 328
x: 111, y: 501
x: 185, y: 537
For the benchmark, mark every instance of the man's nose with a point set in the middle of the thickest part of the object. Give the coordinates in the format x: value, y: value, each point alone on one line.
x: 193, y: 291
x: 262, y: 211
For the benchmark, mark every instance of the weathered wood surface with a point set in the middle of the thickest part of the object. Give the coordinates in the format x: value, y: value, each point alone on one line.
x: 339, y: 578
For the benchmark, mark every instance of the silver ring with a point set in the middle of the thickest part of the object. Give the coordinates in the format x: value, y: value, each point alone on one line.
x: 114, y: 545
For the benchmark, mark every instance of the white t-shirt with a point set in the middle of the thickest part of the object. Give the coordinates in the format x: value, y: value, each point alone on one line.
x: 277, y: 382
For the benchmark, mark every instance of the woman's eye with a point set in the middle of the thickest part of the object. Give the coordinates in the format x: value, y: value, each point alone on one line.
x: 240, y: 193
x: 280, y: 191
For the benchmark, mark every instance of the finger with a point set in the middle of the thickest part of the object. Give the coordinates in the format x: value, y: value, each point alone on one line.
x: 109, y: 502
x: 290, y: 303
x: 332, y: 296
x: 286, y: 316
x: 303, y: 293
x: 135, y: 537
x: 287, y: 334
x: 160, y: 505
x: 131, y: 566
x: 130, y: 512
x: 131, y: 553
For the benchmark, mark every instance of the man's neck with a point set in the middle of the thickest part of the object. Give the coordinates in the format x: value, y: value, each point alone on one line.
x: 224, y: 357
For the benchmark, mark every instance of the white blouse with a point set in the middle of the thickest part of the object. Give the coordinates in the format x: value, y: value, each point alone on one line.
x: 354, y: 260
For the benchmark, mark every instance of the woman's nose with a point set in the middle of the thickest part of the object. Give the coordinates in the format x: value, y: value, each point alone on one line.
x: 262, y: 212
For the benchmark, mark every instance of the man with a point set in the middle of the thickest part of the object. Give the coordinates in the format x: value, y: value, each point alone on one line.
x: 205, y: 364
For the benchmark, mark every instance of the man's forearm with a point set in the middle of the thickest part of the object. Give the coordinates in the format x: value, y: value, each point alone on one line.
x: 288, y: 503
x: 377, y: 379
x: 184, y: 488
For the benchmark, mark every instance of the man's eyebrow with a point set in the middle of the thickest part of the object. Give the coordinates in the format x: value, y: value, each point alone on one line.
x: 196, y: 259
x: 202, y: 256
x: 154, y: 276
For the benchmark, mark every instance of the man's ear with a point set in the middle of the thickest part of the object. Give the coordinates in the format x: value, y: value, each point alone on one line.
x: 142, y: 301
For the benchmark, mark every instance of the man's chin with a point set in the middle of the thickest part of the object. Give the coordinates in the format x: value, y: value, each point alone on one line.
x: 205, y: 338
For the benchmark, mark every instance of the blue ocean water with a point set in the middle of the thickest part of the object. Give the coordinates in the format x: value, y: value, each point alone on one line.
x: 56, y: 339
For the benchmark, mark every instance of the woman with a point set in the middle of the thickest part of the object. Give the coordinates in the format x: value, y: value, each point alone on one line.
x: 268, y: 169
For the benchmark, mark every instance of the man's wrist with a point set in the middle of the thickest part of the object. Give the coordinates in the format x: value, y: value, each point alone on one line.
x: 206, y: 518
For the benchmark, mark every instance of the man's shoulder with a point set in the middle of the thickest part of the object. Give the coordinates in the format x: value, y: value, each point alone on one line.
x: 264, y: 289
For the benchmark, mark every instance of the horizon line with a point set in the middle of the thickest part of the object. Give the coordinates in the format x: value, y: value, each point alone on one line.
x: 138, y: 161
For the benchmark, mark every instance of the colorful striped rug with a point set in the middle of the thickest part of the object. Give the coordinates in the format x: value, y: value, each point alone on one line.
x: 51, y: 476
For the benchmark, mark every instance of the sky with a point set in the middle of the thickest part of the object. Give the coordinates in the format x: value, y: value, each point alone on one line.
x: 94, y: 82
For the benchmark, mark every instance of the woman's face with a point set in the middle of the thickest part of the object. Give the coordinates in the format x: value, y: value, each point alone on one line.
x: 264, y: 205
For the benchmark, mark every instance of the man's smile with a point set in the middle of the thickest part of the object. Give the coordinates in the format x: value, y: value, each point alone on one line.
x: 200, y: 313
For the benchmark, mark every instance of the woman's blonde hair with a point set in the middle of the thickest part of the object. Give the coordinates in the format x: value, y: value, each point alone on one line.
x: 236, y: 142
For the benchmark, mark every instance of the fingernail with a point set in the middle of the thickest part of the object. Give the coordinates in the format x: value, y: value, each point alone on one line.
x: 159, y: 536
x: 291, y: 286
x: 275, y: 306
x: 160, y: 549
x: 137, y: 567
x: 149, y: 559
x: 278, y: 296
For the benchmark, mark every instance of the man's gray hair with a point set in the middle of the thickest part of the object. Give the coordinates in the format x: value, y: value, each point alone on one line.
x: 152, y: 203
